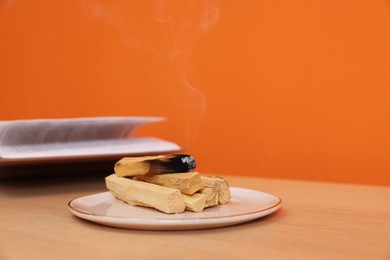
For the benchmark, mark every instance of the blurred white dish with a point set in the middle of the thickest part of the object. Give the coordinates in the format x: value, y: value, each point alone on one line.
x: 245, y: 205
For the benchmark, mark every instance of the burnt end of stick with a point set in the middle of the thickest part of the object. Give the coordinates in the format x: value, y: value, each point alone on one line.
x: 188, y: 162
x: 174, y: 164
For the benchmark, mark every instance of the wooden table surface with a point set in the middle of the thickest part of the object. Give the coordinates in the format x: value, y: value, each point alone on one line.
x: 316, y: 221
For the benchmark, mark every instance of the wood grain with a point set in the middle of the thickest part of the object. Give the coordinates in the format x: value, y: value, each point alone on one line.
x: 316, y: 221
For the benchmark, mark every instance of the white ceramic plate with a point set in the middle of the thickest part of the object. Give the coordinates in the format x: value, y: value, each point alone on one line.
x: 245, y: 205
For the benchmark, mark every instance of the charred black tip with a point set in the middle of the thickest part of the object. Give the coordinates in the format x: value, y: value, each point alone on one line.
x: 179, y: 163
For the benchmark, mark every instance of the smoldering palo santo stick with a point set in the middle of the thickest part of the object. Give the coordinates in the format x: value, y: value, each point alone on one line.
x: 160, y: 164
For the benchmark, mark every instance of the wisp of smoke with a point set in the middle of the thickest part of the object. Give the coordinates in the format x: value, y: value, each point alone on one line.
x: 182, y: 21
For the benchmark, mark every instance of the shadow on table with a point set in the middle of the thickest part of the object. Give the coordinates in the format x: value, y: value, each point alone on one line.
x: 60, y: 183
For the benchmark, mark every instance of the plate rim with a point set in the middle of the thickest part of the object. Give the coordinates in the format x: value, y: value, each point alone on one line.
x: 160, y: 220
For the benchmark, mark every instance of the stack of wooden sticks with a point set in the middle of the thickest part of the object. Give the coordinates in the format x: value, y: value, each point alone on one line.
x: 166, y: 183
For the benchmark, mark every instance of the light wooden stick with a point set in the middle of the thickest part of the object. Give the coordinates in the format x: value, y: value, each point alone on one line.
x: 188, y: 183
x: 196, y: 202
x: 146, y: 194
x: 211, y: 195
x: 220, y: 185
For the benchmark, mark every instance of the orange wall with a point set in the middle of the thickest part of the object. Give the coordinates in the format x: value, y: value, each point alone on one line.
x: 290, y: 89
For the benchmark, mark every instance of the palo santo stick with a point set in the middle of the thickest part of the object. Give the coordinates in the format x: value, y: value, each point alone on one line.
x: 146, y: 194
x: 133, y: 166
x: 220, y: 185
x: 195, y: 202
x: 188, y: 183
x: 211, y: 195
